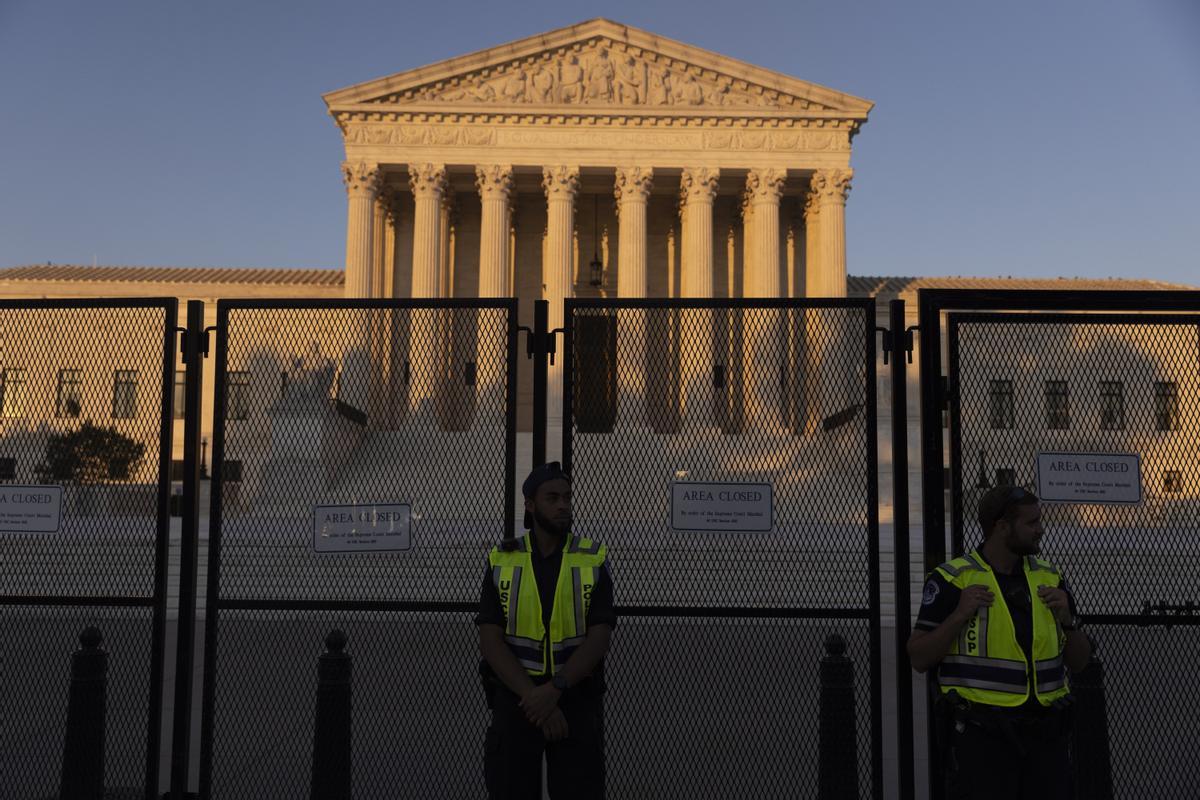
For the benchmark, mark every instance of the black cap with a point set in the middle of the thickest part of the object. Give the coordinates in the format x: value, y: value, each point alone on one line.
x: 998, y: 500
x: 539, y: 475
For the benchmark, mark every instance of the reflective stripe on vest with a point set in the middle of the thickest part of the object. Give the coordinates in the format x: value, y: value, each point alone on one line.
x: 985, y: 663
x: 543, y: 652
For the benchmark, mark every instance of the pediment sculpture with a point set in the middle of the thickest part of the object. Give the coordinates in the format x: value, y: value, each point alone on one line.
x: 603, y: 73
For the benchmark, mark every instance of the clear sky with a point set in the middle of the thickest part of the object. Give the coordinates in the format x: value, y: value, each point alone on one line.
x: 1023, y: 137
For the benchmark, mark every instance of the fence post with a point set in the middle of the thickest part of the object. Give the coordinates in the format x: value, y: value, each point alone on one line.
x: 331, y: 736
x: 1092, y: 761
x: 83, y: 750
x: 837, y: 771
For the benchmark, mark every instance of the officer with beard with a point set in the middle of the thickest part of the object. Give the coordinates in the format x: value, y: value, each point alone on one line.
x: 998, y: 626
x: 546, y: 616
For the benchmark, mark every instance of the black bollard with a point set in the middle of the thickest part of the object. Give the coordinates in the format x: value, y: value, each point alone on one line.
x: 1092, y: 759
x: 837, y: 775
x: 83, y: 749
x: 331, y: 737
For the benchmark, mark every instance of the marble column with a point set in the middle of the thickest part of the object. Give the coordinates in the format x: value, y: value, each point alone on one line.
x: 688, y: 378
x: 765, y: 328
x: 378, y: 244
x: 764, y: 187
x: 375, y: 319
x: 561, y: 184
x: 428, y: 332
x: 831, y: 188
x: 446, y: 237
x: 428, y: 182
x: 632, y: 189
x: 833, y: 344
x: 362, y: 179
x: 697, y: 187
x: 495, y: 185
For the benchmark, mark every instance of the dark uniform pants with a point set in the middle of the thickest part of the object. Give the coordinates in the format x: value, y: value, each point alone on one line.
x: 1010, y: 759
x: 514, y: 749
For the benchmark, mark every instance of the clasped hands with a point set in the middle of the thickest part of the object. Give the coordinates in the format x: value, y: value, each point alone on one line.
x: 540, y: 705
x: 974, y: 597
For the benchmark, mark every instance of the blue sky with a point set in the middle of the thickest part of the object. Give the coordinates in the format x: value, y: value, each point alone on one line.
x: 1048, y: 138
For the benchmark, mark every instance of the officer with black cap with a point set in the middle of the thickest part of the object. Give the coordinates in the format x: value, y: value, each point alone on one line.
x: 545, y: 619
x: 998, y: 627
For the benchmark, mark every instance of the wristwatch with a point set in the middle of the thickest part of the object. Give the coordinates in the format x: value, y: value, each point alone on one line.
x: 1073, y: 626
x: 559, y: 682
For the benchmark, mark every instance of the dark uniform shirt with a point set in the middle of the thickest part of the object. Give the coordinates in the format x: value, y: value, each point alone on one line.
x: 546, y: 569
x: 940, y: 598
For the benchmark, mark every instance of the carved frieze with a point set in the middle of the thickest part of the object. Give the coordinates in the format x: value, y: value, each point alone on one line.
x: 601, y: 72
x: 409, y: 135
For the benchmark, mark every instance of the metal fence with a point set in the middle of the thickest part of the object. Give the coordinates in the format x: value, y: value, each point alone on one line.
x: 714, y: 684
x: 1040, y: 381
x: 406, y: 411
x: 85, y: 449
x: 328, y: 411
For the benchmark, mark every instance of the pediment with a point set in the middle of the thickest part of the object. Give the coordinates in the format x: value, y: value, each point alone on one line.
x: 602, y: 67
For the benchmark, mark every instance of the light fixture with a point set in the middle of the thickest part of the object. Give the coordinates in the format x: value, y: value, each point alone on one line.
x: 982, y: 482
x: 596, y: 267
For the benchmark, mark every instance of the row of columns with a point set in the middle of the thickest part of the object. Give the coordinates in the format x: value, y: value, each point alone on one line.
x: 368, y: 246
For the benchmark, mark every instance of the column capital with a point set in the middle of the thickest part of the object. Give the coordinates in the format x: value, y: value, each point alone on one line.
x: 361, y: 176
x: 560, y: 182
x: 391, y: 203
x: 831, y: 185
x: 811, y: 207
x: 494, y: 181
x: 633, y: 183
x: 427, y: 180
x: 765, y: 185
x: 698, y: 183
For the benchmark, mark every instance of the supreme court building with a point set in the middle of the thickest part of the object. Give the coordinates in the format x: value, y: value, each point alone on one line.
x: 595, y: 160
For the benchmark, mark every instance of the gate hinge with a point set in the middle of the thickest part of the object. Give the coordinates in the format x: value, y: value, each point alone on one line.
x: 891, y: 347
x: 887, y: 343
x: 540, y: 344
x: 201, y: 346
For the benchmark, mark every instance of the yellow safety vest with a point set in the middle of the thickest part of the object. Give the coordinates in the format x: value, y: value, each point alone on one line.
x: 985, y: 664
x: 544, y: 652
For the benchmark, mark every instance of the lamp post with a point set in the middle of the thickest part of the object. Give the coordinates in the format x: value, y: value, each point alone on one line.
x: 203, y: 458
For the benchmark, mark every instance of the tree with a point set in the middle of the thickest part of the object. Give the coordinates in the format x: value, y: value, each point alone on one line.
x: 89, y: 455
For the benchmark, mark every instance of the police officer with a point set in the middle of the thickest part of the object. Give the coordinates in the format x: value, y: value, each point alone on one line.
x: 999, y: 627
x: 545, y: 619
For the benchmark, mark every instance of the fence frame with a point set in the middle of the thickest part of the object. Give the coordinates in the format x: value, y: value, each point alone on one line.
x: 214, y: 604
x: 157, y: 601
x: 873, y: 611
x: 937, y: 391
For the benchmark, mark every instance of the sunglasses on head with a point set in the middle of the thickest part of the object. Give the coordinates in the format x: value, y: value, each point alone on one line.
x: 1015, y: 495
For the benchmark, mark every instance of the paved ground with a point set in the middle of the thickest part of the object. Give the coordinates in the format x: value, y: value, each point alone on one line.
x: 740, y: 723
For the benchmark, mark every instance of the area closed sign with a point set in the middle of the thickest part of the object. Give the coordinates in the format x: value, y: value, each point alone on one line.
x: 1090, y: 477
x: 735, y: 507
x: 367, y: 527
x: 30, y: 509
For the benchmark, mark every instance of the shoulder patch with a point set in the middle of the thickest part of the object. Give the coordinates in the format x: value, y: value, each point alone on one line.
x: 931, y: 592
